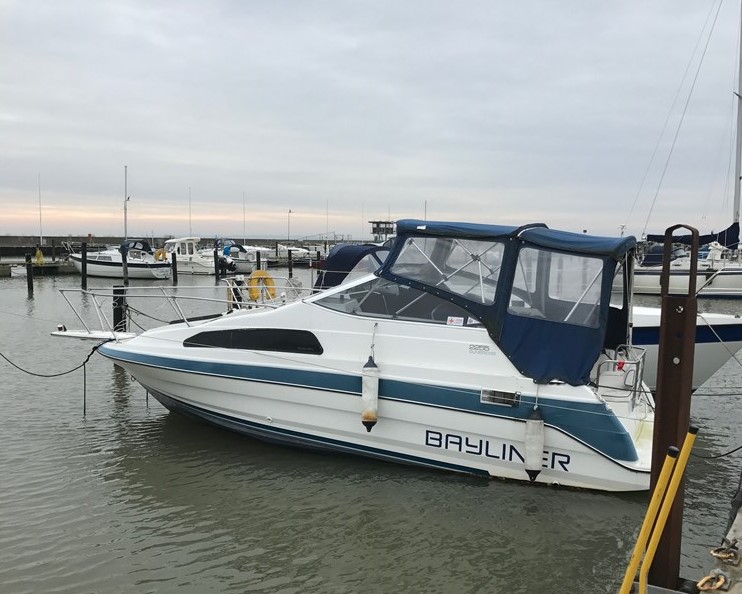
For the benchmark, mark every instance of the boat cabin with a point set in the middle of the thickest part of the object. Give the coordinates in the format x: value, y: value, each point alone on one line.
x: 136, y: 249
x: 544, y: 296
x: 184, y: 246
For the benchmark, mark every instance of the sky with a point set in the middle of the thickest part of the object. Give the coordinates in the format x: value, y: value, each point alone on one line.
x: 309, y: 118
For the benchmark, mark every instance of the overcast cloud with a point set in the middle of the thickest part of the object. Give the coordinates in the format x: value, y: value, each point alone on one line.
x: 490, y: 111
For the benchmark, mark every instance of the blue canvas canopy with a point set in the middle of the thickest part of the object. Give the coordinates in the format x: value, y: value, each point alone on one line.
x: 135, y: 244
x: 729, y: 237
x: 581, y: 243
x: 563, y: 325
x: 535, y: 233
x: 341, y: 260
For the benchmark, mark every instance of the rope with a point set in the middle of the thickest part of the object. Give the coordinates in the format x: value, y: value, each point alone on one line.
x: 717, y: 455
x: 145, y: 315
x: 90, y: 354
x: 711, y: 394
x: 716, y: 334
x: 667, y: 118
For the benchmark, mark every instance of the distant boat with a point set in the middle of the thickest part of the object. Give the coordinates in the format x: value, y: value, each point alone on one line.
x: 244, y: 257
x: 298, y: 255
x: 141, y: 261
x: 192, y: 259
x: 718, y: 274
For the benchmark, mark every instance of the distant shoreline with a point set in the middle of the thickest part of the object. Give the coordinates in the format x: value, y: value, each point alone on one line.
x: 31, y: 241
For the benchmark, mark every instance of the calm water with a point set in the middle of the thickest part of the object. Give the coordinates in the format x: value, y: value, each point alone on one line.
x: 132, y: 499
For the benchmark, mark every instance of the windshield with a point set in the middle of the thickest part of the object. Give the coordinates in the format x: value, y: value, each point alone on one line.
x: 384, y: 299
x: 466, y: 267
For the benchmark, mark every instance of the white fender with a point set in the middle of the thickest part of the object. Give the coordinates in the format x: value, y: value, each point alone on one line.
x: 370, y: 394
x: 534, y: 442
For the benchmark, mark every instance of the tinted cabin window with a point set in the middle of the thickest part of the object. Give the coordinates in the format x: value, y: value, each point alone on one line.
x: 258, y: 339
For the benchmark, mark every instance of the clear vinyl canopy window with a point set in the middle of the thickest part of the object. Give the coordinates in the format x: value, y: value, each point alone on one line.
x: 557, y: 287
x: 466, y: 267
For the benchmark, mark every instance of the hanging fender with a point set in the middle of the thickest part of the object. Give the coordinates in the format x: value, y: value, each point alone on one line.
x: 534, y: 442
x: 370, y: 394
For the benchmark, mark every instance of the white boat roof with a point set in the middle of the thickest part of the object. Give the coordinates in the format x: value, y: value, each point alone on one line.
x: 181, y: 239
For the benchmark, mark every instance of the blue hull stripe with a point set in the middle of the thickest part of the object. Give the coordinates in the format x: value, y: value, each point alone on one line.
x: 294, y: 438
x: 657, y: 271
x: 704, y: 335
x: 590, y: 423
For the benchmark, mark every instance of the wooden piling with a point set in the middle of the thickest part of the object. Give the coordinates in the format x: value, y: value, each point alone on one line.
x: 217, y: 272
x: 119, y: 309
x: 174, y: 266
x: 257, y: 260
x: 29, y: 274
x: 124, y: 264
x: 84, y: 266
x: 290, y: 264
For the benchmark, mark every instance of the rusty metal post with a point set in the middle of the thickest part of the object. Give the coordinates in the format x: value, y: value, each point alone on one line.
x: 672, y: 412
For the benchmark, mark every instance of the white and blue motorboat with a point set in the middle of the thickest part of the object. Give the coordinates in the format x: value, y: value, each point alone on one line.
x: 483, y: 349
x: 141, y: 261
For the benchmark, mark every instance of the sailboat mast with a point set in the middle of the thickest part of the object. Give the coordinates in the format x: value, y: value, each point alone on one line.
x: 738, y: 151
x: 126, y: 199
x: 41, y: 232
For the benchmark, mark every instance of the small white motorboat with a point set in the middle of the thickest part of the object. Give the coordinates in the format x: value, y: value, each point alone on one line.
x: 141, y: 261
x: 194, y: 260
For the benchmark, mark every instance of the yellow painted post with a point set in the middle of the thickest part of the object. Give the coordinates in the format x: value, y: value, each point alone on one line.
x: 649, y: 518
x: 672, y: 489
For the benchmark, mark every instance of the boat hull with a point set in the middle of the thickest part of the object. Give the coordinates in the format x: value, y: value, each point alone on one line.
x: 407, y: 432
x: 195, y: 265
x: 718, y: 339
x: 725, y: 282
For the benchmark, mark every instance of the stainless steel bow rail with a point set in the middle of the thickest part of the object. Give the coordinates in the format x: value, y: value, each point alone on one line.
x: 127, y: 305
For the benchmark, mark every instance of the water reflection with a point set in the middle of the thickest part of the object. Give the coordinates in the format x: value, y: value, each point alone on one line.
x: 271, y: 516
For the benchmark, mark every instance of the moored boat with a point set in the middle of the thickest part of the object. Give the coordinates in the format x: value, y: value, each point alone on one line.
x: 194, y: 260
x: 244, y: 257
x: 484, y: 349
x: 141, y: 261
